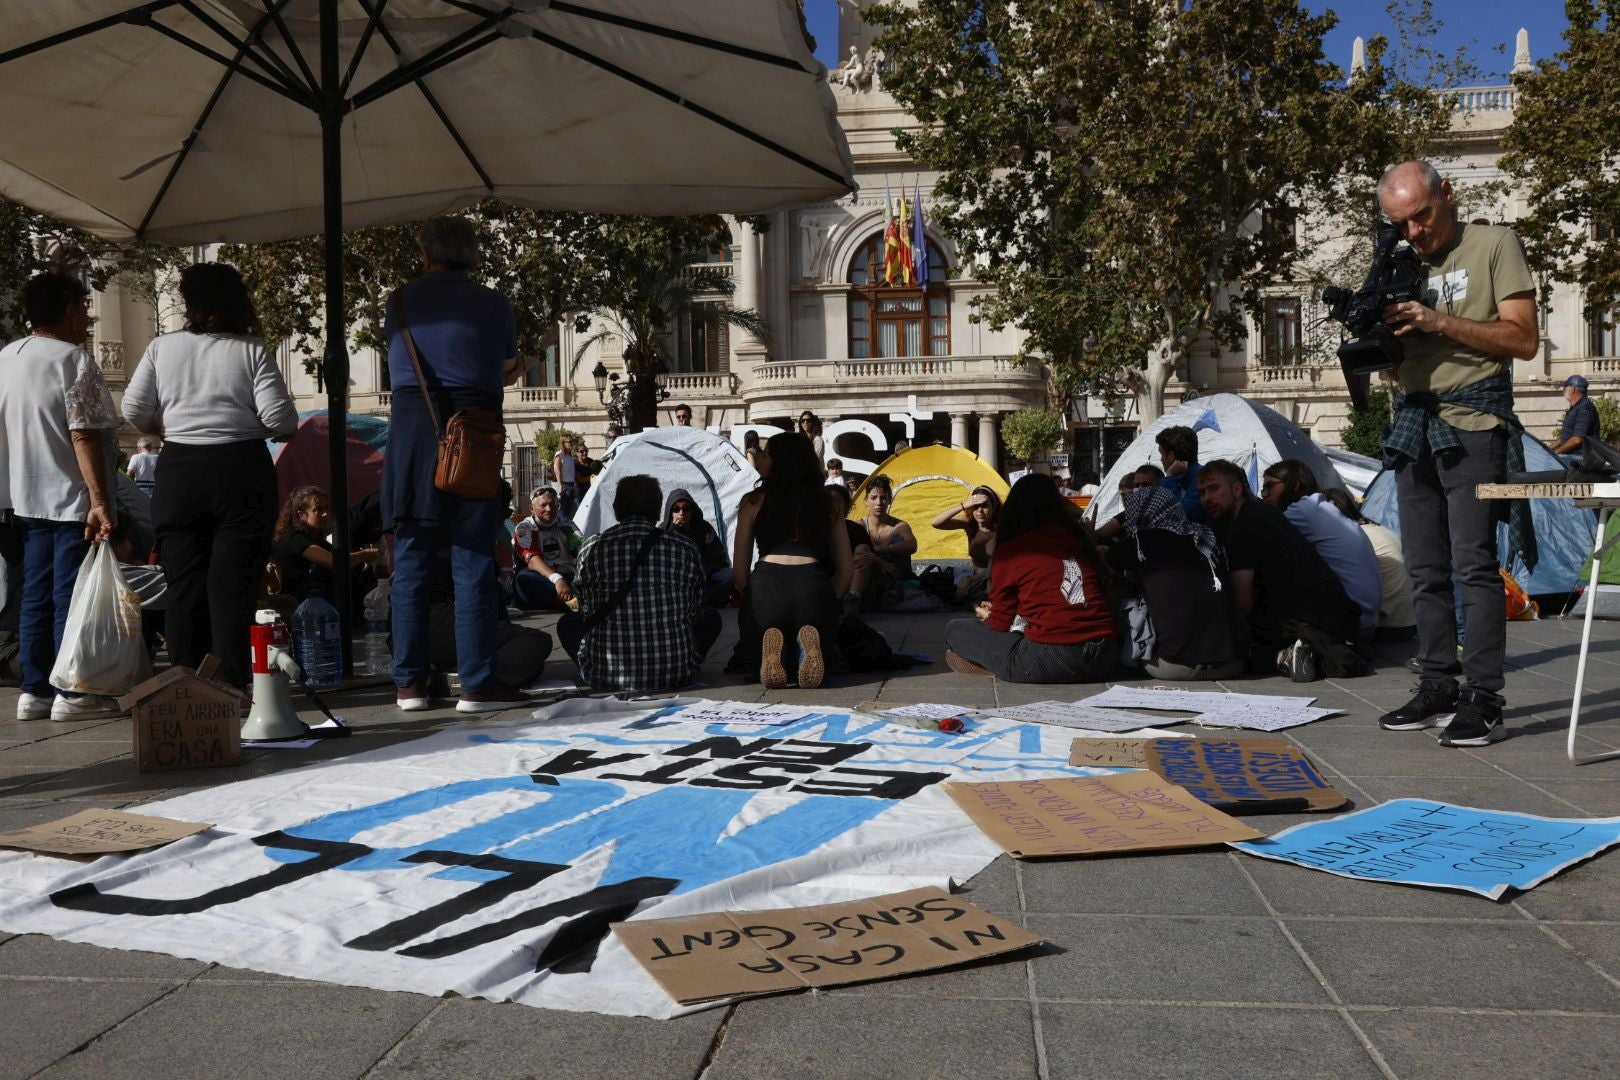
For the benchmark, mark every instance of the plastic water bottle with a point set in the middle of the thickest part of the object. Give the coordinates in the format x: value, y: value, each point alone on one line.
x: 379, y: 657
x: 318, y: 642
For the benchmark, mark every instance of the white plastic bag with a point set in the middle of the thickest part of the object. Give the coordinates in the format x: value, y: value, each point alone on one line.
x: 102, y: 651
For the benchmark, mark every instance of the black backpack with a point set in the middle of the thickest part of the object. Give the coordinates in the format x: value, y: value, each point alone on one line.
x: 867, y: 650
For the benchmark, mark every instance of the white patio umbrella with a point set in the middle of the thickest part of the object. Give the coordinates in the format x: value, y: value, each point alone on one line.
x: 195, y: 121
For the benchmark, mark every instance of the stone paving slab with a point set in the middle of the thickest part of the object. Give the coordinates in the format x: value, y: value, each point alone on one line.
x: 1204, y: 964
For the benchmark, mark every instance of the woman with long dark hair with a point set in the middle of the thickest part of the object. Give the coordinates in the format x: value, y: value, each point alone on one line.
x: 214, y: 393
x: 791, y: 594
x: 1048, y: 571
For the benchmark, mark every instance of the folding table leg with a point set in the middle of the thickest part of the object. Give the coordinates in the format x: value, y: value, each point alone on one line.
x: 1598, y: 549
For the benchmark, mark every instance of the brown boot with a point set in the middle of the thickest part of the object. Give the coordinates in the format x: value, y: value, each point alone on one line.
x: 811, y: 666
x: 772, y: 676
x: 962, y: 665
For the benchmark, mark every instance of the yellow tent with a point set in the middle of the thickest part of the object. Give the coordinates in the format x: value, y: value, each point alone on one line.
x: 927, y: 480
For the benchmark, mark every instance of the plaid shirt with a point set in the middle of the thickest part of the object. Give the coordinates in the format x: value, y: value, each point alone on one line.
x: 649, y: 641
x: 1417, y: 424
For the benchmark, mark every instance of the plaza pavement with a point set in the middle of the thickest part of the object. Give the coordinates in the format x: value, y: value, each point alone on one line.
x: 1209, y: 964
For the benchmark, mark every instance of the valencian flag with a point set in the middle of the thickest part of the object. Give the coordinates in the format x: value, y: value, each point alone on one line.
x: 892, y: 262
x: 902, y: 229
x: 919, y: 241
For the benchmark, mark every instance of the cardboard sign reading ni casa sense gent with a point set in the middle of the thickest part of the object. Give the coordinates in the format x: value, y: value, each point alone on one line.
x: 737, y: 953
x: 1246, y: 775
x: 1094, y: 815
x: 99, y: 832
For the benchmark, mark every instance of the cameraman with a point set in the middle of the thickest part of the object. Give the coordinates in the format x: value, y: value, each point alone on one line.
x: 1454, y: 428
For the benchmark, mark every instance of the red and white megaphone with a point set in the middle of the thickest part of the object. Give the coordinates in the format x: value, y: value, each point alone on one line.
x: 272, y: 715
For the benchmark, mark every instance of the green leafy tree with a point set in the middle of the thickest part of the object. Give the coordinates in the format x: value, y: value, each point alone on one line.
x: 1563, y: 144
x: 1128, y: 174
x: 654, y: 279
x: 1030, y: 433
x: 1365, y: 429
x: 1608, y: 411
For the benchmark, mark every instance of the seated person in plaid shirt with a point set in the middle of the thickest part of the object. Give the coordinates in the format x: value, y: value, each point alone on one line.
x: 643, y: 624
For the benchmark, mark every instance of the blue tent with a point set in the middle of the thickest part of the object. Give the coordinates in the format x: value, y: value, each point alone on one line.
x: 1563, y: 531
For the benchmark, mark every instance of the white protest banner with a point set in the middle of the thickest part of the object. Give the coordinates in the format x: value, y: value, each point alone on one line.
x: 1172, y: 699
x: 1416, y: 842
x: 1077, y: 715
x: 1263, y: 719
x: 489, y: 861
x: 742, y: 712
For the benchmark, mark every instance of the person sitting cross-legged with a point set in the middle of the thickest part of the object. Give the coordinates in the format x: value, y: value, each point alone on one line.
x: 1046, y: 570
x: 643, y: 625
x: 1295, y: 607
x: 547, y: 546
x: 1181, y: 570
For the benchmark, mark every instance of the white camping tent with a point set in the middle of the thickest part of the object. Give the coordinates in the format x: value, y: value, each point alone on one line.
x: 1357, y: 470
x: 1241, y: 431
x: 714, y: 471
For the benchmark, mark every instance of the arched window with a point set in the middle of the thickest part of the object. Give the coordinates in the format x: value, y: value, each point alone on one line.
x: 897, y: 320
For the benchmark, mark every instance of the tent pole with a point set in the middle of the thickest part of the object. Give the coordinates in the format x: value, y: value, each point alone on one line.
x: 337, y: 356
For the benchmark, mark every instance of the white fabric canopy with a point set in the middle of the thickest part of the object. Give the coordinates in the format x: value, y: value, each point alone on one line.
x: 625, y: 106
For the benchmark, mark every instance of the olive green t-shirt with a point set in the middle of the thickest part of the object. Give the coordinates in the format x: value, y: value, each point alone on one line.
x: 1484, y: 264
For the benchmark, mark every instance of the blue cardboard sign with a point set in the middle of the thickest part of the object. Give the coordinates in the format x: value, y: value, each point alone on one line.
x: 1417, y: 842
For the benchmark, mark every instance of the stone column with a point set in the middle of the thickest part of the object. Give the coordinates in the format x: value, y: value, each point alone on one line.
x: 987, y: 440
x: 959, y: 429
x: 745, y: 346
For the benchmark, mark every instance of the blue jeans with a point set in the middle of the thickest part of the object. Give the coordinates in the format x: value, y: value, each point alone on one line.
x: 52, y: 554
x: 470, y: 539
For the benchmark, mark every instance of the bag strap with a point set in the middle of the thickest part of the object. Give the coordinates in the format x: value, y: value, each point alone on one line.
x: 596, y: 617
x: 416, y: 360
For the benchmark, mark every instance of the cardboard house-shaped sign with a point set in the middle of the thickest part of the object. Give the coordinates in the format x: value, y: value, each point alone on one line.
x: 185, y: 720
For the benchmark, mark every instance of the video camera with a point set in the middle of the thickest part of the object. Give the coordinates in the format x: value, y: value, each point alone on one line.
x: 1396, y: 276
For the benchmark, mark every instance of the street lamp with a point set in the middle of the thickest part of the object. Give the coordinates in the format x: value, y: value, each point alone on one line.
x: 615, y: 394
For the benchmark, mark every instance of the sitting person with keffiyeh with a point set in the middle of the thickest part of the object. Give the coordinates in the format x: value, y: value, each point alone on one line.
x: 1181, y: 570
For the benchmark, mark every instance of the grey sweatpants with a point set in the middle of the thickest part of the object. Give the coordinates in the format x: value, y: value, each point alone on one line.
x: 1015, y: 658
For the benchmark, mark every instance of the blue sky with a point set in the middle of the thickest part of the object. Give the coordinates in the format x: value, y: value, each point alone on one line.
x: 1485, y: 23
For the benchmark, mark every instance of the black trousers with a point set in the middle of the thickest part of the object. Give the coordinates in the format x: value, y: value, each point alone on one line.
x: 214, y: 510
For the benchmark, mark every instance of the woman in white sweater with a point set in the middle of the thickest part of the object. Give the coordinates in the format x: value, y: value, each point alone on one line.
x: 214, y: 393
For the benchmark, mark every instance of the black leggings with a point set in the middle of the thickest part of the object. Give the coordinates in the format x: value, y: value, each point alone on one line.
x: 786, y: 597
x: 213, y: 510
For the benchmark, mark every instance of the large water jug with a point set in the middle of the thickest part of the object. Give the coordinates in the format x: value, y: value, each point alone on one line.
x: 318, y: 642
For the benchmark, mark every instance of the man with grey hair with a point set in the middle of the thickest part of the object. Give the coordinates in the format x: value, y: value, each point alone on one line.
x: 465, y: 337
x: 143, y: 464
x: 1454, y: 428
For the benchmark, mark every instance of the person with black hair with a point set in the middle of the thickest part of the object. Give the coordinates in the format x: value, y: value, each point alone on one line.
x: 215, y: 394
x: 682, y: 514
x: 1178, y: 453
x: 1291, y: 487
x: 56, y: 455
x: 791, y: 594
x: 880, y: 577
x: 1295, y: 608
x: 1047, y: 571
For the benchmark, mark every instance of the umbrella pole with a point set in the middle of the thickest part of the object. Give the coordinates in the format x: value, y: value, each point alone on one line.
x: 337, y: 356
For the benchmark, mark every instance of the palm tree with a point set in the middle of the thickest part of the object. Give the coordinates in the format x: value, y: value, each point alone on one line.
x: 654, y: 295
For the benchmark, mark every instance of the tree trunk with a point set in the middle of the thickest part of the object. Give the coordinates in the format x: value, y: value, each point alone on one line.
x: 641, y: 407
x: 1150, y: 395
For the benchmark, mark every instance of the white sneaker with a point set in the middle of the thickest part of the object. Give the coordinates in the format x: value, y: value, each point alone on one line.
x: 85, y: 707
x: 33, y: 707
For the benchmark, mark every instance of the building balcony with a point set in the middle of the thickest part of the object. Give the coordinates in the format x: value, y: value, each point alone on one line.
x: 994, y: 383
x: 1290, y: 376
x: 700, y: 384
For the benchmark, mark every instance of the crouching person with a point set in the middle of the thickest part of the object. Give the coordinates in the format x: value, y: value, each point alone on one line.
x: 1046, y: 570
x: 643, y: 625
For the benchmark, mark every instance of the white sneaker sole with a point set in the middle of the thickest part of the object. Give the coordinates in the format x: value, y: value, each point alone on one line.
x: 488, y: 706
x: 414, y: 704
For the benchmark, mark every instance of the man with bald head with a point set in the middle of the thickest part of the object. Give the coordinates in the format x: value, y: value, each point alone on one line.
x: 1455, y: 428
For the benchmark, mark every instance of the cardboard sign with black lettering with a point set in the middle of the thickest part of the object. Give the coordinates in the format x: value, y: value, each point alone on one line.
x: 100, y: 832
x: 1109, y: 753
x: 1094, y: 815
x: 728, y: 954
x: 1244, y: 775
x: 184, y: 720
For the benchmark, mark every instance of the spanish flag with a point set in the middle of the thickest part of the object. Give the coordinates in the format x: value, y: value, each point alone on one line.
x: 893, y: 264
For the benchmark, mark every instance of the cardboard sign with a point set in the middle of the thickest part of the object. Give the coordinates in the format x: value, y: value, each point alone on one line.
x: 1417, y: 842
x: 1247, y: 775
x: 742, y: 953
x: 1094, y: 815
x: 184, y: 720
x: 1109, y: 753
x: 100, y: 832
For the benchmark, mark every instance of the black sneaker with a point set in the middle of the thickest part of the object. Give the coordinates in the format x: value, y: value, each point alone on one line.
x: 1478, y: 721
x: 1299, y: 663
x: 1431, y: 706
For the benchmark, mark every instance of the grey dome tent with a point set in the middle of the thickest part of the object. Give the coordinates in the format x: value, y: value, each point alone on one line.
x: 1229, y: 426
x: 708, y: 466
